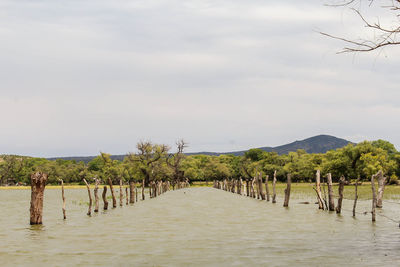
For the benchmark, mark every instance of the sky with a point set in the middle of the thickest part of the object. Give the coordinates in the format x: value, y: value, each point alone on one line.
x: 82, y: 76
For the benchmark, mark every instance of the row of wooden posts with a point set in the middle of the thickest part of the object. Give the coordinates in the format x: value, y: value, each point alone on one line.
x: 255, y: 189
x: 38, y: 183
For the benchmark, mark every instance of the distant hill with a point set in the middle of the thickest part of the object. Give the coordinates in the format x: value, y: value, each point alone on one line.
x: 316, y: 144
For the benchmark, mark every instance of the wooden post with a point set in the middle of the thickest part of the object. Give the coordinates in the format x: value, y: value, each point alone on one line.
x: 340, y: 199
x: 38, y: 184
x: 247, y: 187
x: 143, y: 197
x: 266, y: 187
x: 112, y: 193
x: 90, y: 198
x: 330, y: 193
x: 318, y: 189
x: 324, y: 198
x: 273, y: 188
x: 260, y: 185
x: 257, y: 180
x: 63, y: 198
x: 121, y: 193
x: 355, y: 199
x: 136, y: 193
x: 127, y: 196
x: 381, y: 188
x: 373, y: 197
x: 253, y: 192
x: 96, y: 196
x: 132, y: 192
x: 287, y: 191
x: 104, y: 195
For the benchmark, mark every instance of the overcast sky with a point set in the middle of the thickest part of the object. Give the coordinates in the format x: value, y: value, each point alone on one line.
x: 79, y: 77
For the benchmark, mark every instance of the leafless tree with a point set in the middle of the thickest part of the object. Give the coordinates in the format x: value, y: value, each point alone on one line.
x: 384, y: 34
x: 174, y: 162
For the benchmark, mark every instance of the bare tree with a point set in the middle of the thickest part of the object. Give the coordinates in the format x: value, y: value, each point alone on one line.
x: 174, y: 162
x: 384, y: 34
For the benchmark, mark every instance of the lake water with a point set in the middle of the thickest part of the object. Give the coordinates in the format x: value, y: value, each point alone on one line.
x: 194, y: 227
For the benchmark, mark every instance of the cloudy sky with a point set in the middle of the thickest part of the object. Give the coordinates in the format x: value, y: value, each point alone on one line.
x: 79, y: 77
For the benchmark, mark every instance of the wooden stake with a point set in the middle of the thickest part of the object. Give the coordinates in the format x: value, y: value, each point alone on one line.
x: 96, y: 196
x: 273, y: 188
x: 247, y: 187
x: 127, y: 196
x: 266, y: 187
x: 287, y: 191
x: 330, y: 193
x: 373, y: 197
x: 143, y: 190
x: 63, y: 199
x: 132, y: 192
x: 381, y: 188
x: 355, y: 199
x: 318, y: 189
x: 136, y: 193
x: 104, y: 195
x: 121, y: 193
x: 90, y: 198
x: 114, y: 200
x: 340, y: 199
x: 38, y: 184
x: 260, y: 185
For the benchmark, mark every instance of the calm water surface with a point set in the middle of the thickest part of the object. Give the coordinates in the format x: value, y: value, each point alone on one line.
x: 196, y: 227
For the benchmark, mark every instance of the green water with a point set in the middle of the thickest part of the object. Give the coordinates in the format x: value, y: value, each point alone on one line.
x: 194, y: 227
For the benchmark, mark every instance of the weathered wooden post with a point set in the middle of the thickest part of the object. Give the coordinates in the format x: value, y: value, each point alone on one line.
x: 340, y: 199
x: 266, y: 187
x: 38, y: 184
x: 355, y: 199
x: 132, y: 192
x: 112, y: 193
x: 143, y: 190
x: 104, y: 195
x: 373, y: 197
x: 121, y: 193
x: 260, y: 185
x: 273, y: 188
x: 247, y: 187
x: 318, y: 189
x: 90, y: 198
x: 331, y: 199
x: 136, y: 193
x: 63, y: 198
x: 96, y: 196
x: 127, y: 196
x: 381, y: 188
x: 256, y: 180
x: 287, y: 191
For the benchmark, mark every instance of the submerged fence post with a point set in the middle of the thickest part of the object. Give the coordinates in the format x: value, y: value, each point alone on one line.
x: 318, y: 189
x: 96, y: 196
x: 273, y: 188
x: 143, y: 197
x: 287, y: 191
x: 330, y: 193
x: 104, y: 195
x: 355, y: 199
x: 131, y: 192
x: 340, y: 199
x: 90, y: 198
x: 38, y: 184
x: 63, y: 199
x: 373, y: 197
x: 381, y: 188
x: 112, y: 193
x: 266, y: 187
x: 121, y: 193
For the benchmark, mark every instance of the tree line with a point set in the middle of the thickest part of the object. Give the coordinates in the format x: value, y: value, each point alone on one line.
x: 154, y: 162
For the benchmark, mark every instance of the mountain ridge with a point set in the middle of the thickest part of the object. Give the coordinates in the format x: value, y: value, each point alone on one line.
x: 316, y: 144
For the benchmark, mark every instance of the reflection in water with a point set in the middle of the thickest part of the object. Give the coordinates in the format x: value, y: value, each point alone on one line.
x: 196, y: 227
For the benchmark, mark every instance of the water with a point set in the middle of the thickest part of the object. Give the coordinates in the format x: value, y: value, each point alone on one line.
x: 194, y: 227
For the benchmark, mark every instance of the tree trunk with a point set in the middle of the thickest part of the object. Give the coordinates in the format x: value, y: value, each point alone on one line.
x: 287, y: 191
x: 96, y: 196
x: 104, y: 195
x: 63, y: 199
x: 373, y: 197
x: 38, y: 184
x: 90, y: 198
x: 330, y: 193
x: 318, y: 189
x: 266, y: 187
x: 112, y: 193
x: 340, y: 199
x: 274, y: 189
x: 132, y: 192
x: 381, y: 188
x: 355, y: 199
